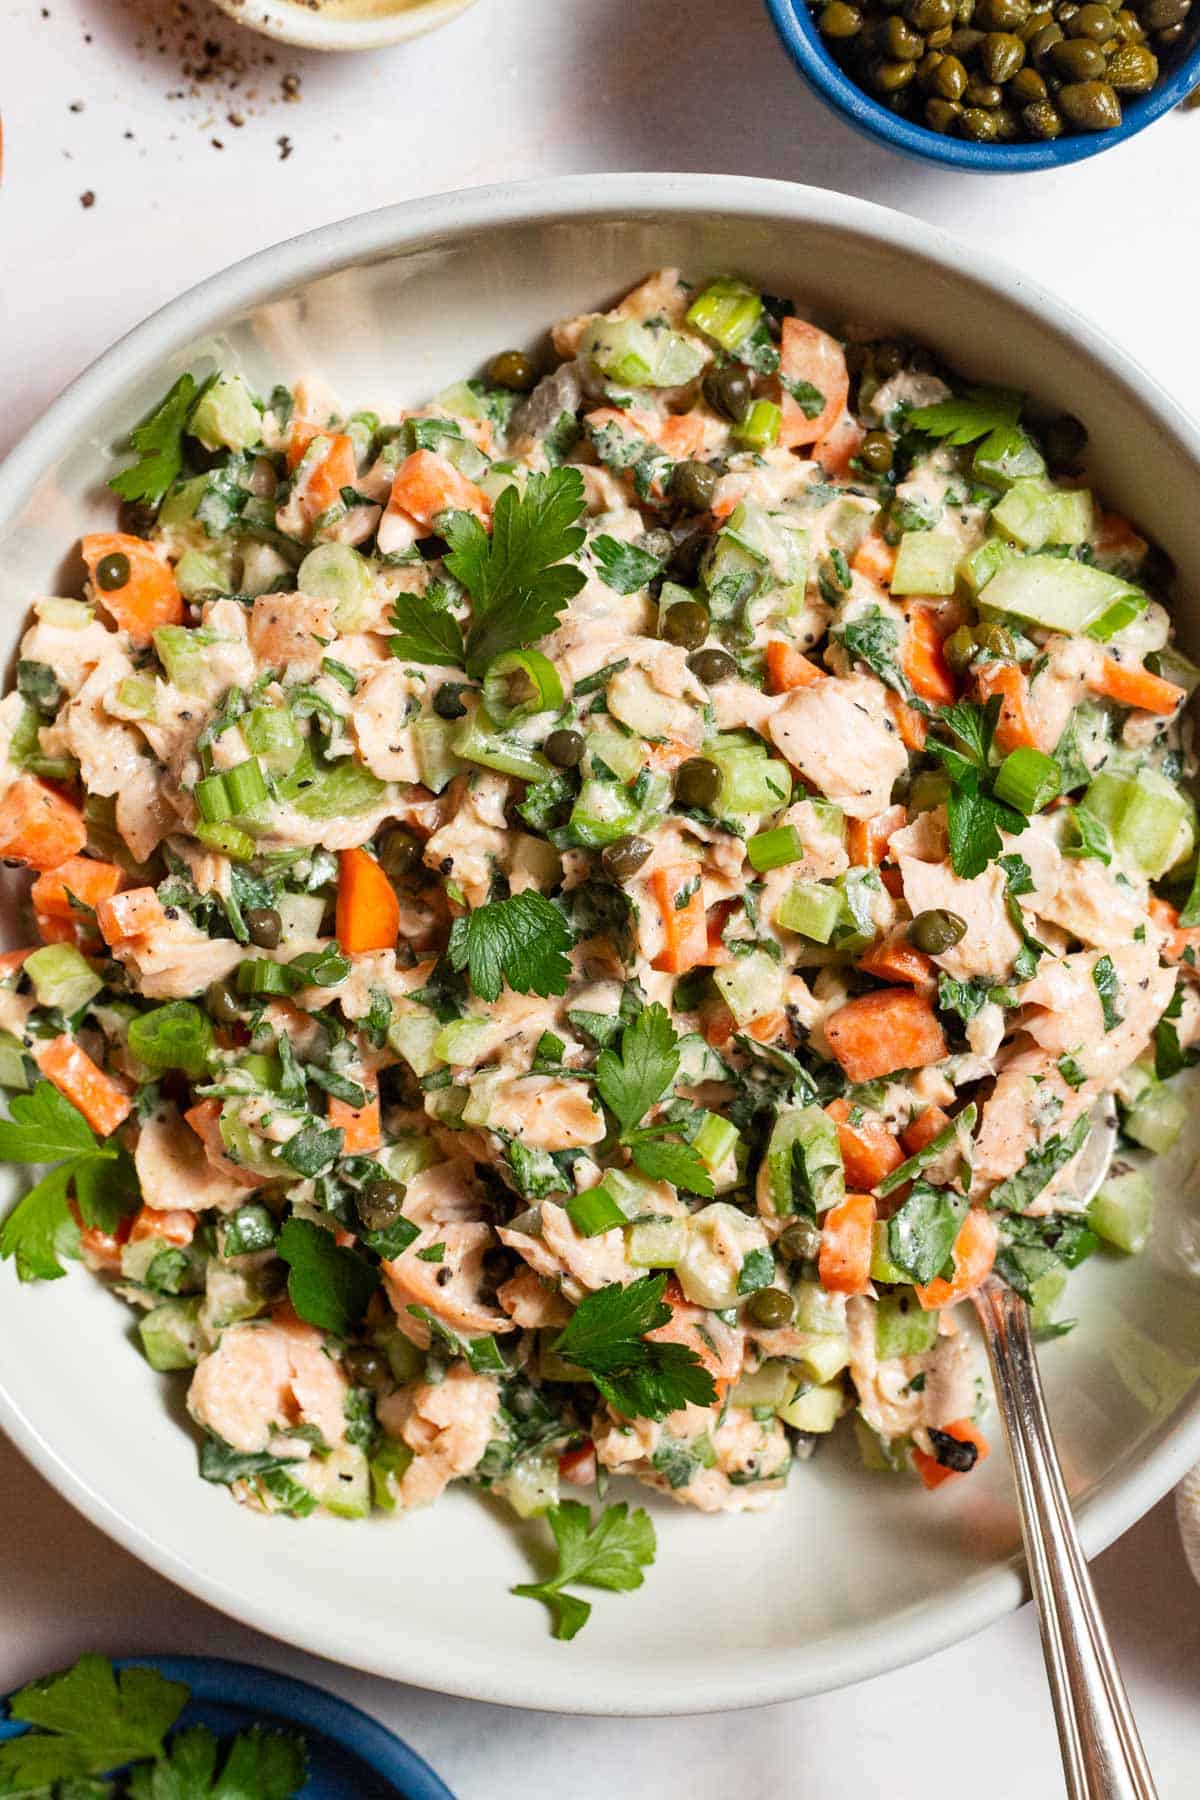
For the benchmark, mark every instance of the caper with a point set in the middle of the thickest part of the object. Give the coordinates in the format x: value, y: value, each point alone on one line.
x: 223, y: 1003
x: 937, y: 931
x: 684, y: 566
x: 1159, y: 15
x: 1034, y: 23
x: 367, y: 1367
x: 1042, y: 42
x: 685, y: 624
x: 1095, y: 22
x: 890, y: 77
x: 1065, y: 12
x: 981, y: 93
x: 728, y: 389
x: 929, y: 15
x: 380, y: 1203
x: 513, y: 369
x: 564, y: 748
x: 888, y: 358
x: 965, y: 42
x: 1129, y: 27
x: 1026, y: 86
x: 1090, y: 104
x: 623, y: 859
x: 1076, y: 59
x: 712, y: 666
x: 1001, y: 54
x: 448, y: 701
x: 942, y: 115
x: 264, y: 926
x: 1065, y: 440
x: 937, y: 40
x: 1132, y: 69
x: 1000, y: 15
x: 697, y: 782
x: 693, y: 485
x: 901, y: 42
x: 875, y: 452
x: 400, y: 852
x: 928, y: 67
x: 950, y: 80
x: 994, y: 640
x: 112, y: 572
x: 1170, y: 36
x: 839, y: 20
x: 771, y: 1307
x: 959, y: 649
x: 1008, y: 126
x: 801, y: 1241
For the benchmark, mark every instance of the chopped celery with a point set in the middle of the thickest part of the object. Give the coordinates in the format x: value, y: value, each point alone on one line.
x: 273, y: 735
x: 226, y: 417
x: 772, y: 1384
x: 715, y: 1142
x: 341, y: 791
x: 818, y: 1312
x: 62, y: 977
x: 656, y: 1243
x: 818, y: 1409
x: 635, y: 355
x: 1028, y: 779
x: 1157, y: 1119
x: 1005, y: 456
x: 1034, y: 513
x: 478, y: 740
x: 903, y: 1327
x: 774, y: 849
x: 412, y: 1036
x: 607, y: 744
x: 199, y: 575
x: 13, y: 1072
x: 65, y: 615
x: 750, y: 986
x: 389, y: 1461
x: 172, y: 1335
x: 926, y: 563
x: 1121, y: 1211
x: 823, y: 1356
x: 520, y: 683
x: 531, y: 1485
x: 300, y: 917
x: 182, y: 653
x: 603, y: 812
x: 882, y: 1266
x: 462, y: 1042
x: 760, y: 427
x: 1150, y: 820
x: 1054, y: 592
x: 337, y: 572
x: 719, y: 1239
x: 812, y: 908
x: 246, y: 786
x: 804, y: 1164
x: 229, y: 839
x: 136, y: 697
x: 340, y: 1482
x: 976, y: 569
x: 437, y: 762
x: 1045, y: 1290
x: 727, y: 311
x: 633, y: 700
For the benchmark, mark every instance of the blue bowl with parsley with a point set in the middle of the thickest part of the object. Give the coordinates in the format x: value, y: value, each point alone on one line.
x: 262, y: 1736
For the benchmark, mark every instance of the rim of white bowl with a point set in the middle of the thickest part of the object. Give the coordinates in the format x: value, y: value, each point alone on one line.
x: 290, y: 22
x: 758, y: 1678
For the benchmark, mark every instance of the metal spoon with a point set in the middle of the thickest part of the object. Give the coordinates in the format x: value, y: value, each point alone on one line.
x: 1102, y: 1754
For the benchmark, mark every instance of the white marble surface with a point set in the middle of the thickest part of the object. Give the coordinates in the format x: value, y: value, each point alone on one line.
x: 519, y: 88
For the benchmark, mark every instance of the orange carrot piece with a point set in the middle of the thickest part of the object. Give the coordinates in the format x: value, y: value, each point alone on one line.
x: 923, y: 659
x: 362, y: 1125
x: 840, y: 445
x: 924, y: 1129
x: 869, y: 1151
x: 768, y: 1027
x: 895, y: 959
x: 867, y: 839
x: 135, y: 913
x: 932, y: 1472
x: 876, y: 1034
x: 426, y: 485
x: 368, y: 910
x: 912, y: 725
x: 1137, y: 688
x: 148, y: 598
x: 974, y: 1253
x: 101, y: 1250
x: 812, y: 356
x: 38, y: 826
x: 102, y: 1102
x: 681, y: 435
x: 1179, y: 938
x: 66, y: 931
x: 1115, y: 538
x: 1014, y: 729
x: 787, y: 669
x: 685, y: 926
x: 84, y: 878
x: 205, y: 1120
x: 173, y: 1225
x: 336, y: 469
x: 874, y: 559
x: 847, y: 1234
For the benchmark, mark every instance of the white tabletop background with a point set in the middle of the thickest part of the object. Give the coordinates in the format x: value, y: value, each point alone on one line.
x: 95, y: 101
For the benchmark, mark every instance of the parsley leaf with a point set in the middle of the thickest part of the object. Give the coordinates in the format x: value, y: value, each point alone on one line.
x: 327, y: 1284
x: 1095, y: 839
x: 606, y: 1338
x: 426, y: 630
x: 874, y: 639
x: 921, y: 1233
x: 975, y: 821
x: 966, y: 417
x: 610, y: 1554
x: 158, y: 441
x: 40, y: 1230
x: 258, y: 1765
x: 44, y: 1127
x: 664, y: 1159
x: 623, y: 567
x: 808, y: 398
x: 633, y: 1081
x: 1169, y: 1056
x: 518, y: 578
x: 522, y: 941
x: 90, y: 1719
x: 1105, y: 977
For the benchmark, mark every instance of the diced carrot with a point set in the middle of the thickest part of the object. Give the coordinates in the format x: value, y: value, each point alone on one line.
x: 80, y: 877
x: 174, y: 1226
x: 839, y: 446
x: 867, y: 839
x: 923, y: 659
x: 1116, y: 539
x: 12, y: 960
x: 767, y: 1027
x: 1136, y: 687
x: 874, y: 559
x: 810, y: 356
x: 932, y: 1472
x: 148, y: 597
x: 1179, y: 938
x: 681, y: 435
x: 361, y: 1125
x: 847, y: 1234
x: 679, y: 893
x: 912, y: 725
x: 578, y: 1466
x: 38, y: 826
x: 876, y: 1034
x: 869, y: 1151
x: 336, y: 469
x: 974, y: 1253
x: 102, y: 1102
x: 923, y: 1129
x: 368, y: 910
x: 66, y: 931
x: 101, y: 1250
x: 136, y: 913
x: 1014, y: 729
x: 787, y: 669
x: 895, y: 959
x: 426, y: 485
x: 205, y: 1120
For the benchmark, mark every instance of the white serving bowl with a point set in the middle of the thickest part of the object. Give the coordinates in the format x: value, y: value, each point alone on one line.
x: 849, y: 1573
x: 310, y: 29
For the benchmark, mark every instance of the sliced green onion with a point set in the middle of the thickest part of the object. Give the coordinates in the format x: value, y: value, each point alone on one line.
x: 760, y: 427
x: 246, y: 785
x: 259, y: 976
x: 230, y: 840
x: 338, y: 672
x: 812, y: 909
x: 212, y: 799
x: 273, y: 735
x: 519, y: 684
x: 715, y: 1141
x: 594, y: 1211
x: 727, y: 311
x: 479, y: 741
x: 176, y: 1036
x: 774, y: 849
x: 1028, y: 779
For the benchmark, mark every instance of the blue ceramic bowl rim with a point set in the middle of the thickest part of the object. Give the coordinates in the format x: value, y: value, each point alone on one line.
x: 220, y: 1679
x: 797, y: 28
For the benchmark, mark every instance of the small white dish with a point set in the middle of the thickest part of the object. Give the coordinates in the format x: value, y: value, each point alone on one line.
x: 343, y: 24
x: 849, y: 1573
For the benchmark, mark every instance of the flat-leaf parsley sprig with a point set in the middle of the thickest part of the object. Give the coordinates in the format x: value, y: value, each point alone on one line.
x: 635, y: 1077
x: 609, y: 1554
x: 41, y: 1228
x: 639, y: 1377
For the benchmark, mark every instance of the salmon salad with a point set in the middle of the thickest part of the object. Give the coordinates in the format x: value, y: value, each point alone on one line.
x: 567, y: 931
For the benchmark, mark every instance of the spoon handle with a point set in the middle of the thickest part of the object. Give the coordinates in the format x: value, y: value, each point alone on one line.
x: 1102, y: 1754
